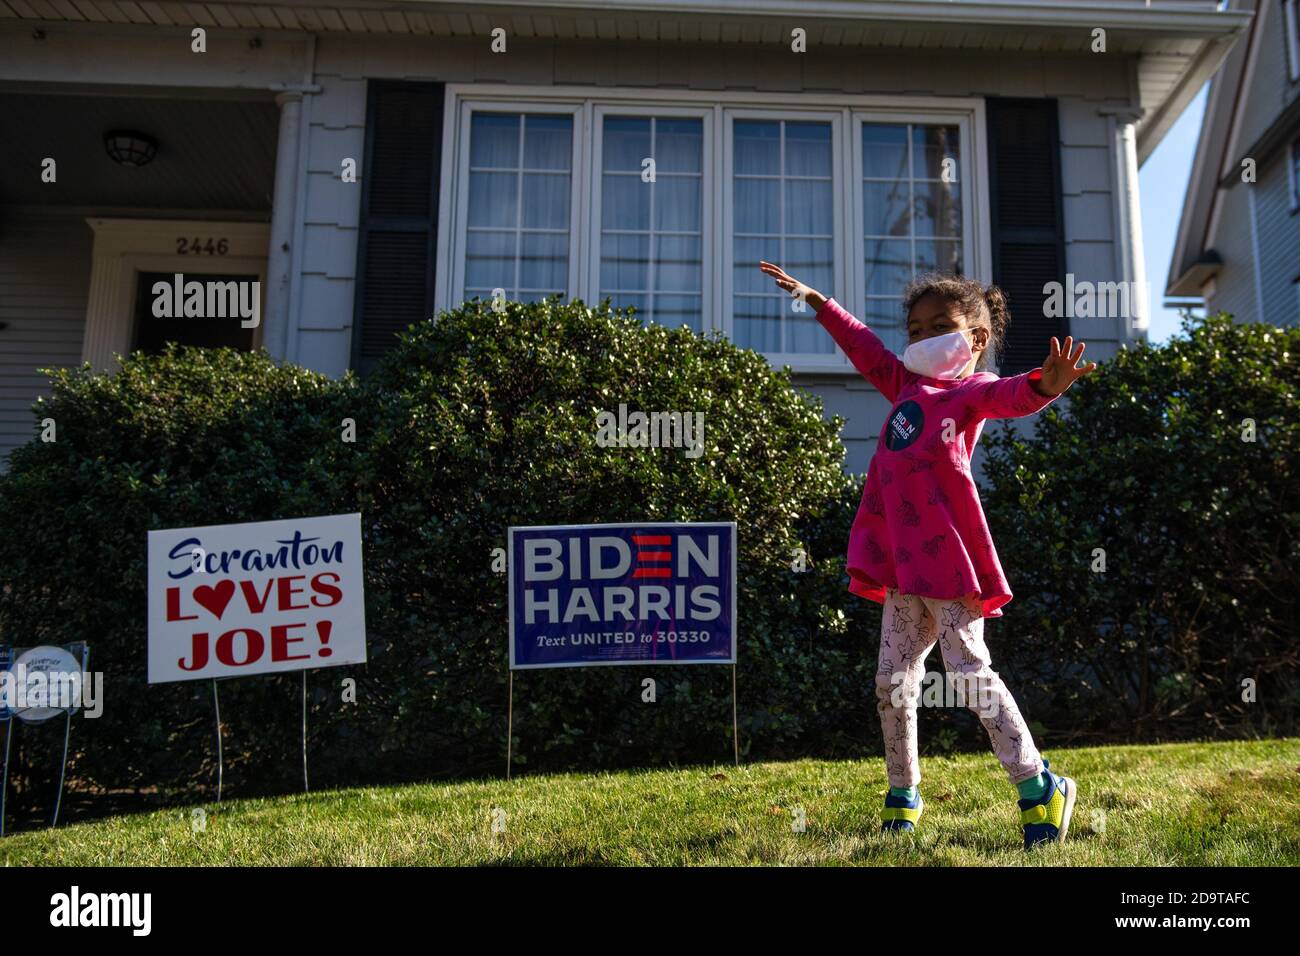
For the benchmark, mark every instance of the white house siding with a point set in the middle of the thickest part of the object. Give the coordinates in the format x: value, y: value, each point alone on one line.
x: 44, y: 284
x: 1261, y: 259
x: 1087, y: 87
x: 1279, y: 244
x: 1271, y: 260
x: 1234, y: 287
x: 331, y: 208
x: 1270, y: 87
x: 1093, y: 239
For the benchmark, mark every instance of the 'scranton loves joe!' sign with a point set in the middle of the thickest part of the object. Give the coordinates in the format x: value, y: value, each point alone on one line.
x: 258, y: 598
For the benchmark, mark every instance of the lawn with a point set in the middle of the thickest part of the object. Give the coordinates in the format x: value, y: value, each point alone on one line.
x: 1202, y: 804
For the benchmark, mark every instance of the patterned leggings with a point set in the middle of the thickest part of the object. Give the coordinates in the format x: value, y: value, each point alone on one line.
x: 908, y: 632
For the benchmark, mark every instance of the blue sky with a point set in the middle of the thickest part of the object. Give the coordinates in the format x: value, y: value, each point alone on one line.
x: 1162, y: 188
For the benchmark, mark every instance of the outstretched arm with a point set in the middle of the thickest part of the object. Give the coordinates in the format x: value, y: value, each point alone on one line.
x: 869, y: 355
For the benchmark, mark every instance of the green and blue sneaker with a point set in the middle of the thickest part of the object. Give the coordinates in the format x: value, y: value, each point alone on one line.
x: 900, y: 813
x: 1046, y: 819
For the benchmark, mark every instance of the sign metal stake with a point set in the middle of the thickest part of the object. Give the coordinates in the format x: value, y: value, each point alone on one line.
x: 63, y: 771
x: 216, y: 706
x: 4, y: 785
x: 67, y: 735
x: 305, y: 788
x: 510, y: 723
x: 735, y: 725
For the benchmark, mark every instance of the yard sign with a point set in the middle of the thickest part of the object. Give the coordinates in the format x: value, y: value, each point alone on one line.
x: 258, y: 598
x: 607, y: 594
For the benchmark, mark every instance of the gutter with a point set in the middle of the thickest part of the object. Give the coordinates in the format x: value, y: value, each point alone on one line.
x: 1201, y: 271
x: 1188, y: 19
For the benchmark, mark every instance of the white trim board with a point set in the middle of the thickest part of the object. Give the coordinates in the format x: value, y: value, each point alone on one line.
x: 123, y: 248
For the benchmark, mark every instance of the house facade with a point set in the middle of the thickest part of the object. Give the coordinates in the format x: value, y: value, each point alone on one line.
x: 1238, y: 247
x: 368, y: 164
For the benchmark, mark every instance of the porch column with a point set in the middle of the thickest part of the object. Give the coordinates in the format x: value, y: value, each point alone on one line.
x: 1132, y: 256
x: 275, y: 332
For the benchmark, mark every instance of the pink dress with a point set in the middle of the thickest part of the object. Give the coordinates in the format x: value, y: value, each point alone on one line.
x: 920, y: 528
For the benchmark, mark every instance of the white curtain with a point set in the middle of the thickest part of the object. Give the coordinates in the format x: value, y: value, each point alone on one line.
x: 652, y: 232
x: 520, y: 186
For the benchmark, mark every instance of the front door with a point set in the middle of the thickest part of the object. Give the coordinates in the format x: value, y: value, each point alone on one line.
x: 152, y: 332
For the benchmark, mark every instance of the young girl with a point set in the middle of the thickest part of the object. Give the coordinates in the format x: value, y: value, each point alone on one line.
x: 919, y: 543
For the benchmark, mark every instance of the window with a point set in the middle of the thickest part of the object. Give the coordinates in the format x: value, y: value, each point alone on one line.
x: 666, y: 200
x: 911, y: 211
x: 518, y: 223
x: 652, y: 217
x: 783, y: 201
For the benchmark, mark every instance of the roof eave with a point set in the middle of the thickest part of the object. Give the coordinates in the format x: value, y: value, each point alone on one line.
x: 1163, y: 117
x: 1193, y: 279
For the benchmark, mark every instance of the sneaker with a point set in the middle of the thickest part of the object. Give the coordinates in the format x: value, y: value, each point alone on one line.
x: 899, y: 814
x: 1047, y: 819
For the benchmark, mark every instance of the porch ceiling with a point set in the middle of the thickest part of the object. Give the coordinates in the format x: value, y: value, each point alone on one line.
x: 212, y: 154
x: 1178, y: 43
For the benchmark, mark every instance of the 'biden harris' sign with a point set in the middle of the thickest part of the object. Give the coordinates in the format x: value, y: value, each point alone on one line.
x: 598, y: 594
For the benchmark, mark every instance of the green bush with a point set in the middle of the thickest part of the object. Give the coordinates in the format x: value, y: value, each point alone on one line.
x: 1198, y: 528
x: 475, y: 422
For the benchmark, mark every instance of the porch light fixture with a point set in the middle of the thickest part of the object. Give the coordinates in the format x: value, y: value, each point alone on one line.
x: 130, y: 148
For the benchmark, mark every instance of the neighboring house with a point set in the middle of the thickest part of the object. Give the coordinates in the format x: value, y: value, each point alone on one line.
x: 1238, y: 246
x: 987, y: 137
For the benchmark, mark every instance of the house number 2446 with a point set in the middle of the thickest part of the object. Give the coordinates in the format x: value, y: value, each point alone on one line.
x: 201, y: 247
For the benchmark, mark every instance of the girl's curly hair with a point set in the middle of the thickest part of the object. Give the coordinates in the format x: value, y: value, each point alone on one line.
x: 982, y: 305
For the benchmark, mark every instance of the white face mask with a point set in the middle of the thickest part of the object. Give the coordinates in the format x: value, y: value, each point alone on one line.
x: 942, y: 356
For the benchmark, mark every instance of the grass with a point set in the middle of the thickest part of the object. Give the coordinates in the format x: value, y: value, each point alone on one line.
x: 1202, y: 804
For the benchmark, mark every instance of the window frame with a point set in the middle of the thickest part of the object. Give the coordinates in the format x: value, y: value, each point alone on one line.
x: 717, y: 110
x: 461, y: 196
x: 708, y: 237
x: 834, y: 360
x: 977, y: 254
x: 1291, y: 37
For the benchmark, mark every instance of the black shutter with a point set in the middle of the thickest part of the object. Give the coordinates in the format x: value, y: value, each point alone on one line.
x: 399, y: 214
x: 1028, y: 226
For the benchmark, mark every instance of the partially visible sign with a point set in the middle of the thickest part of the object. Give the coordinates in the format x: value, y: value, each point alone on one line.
x: 605, y: 594
x: 37, y: 683
x: 6, y: 658
x: 257, y: 598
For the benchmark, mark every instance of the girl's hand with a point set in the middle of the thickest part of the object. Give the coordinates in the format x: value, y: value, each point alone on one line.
x: 793, y: 285
x: 1059, y: 371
